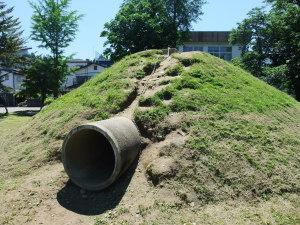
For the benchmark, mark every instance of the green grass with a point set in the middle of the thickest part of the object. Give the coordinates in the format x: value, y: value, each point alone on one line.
x: 9, y: 126
x: 224, y: 88
x: 100, y: 98
x: 239, y: 163
x: 244, y: 135
x: 174, y: 70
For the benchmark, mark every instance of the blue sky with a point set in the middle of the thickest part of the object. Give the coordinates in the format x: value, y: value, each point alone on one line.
x: 219, y: 15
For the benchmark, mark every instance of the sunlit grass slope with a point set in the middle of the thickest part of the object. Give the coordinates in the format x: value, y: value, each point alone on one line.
x: 242, y: 135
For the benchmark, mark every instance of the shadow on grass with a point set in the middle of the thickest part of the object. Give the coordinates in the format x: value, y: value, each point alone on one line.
x: 25, y: 113
x: 3, y: 115
x: 95, y: 203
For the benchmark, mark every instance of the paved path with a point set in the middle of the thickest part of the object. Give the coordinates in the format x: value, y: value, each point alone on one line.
x: 19, y: 109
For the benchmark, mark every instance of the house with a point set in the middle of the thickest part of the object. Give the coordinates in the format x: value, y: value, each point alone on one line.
x: 78, y: 63
x: 81, y: 75
x: 83, y: 70
x: 11, y: 78
x: 213, y: 42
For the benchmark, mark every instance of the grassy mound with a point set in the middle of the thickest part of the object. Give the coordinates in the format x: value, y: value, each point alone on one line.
x: 241, y: 136
x: 107, y: 94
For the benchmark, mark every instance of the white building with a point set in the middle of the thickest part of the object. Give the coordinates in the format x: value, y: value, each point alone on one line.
x: 81, y: 75
x: 213, y: 42
x: 11, y: 78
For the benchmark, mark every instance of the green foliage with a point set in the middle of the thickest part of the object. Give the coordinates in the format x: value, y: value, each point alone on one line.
x: 10, y: 36
x: 149, y: 24
x: 271, y: 39
x: 40, y: 80
x: 48, y: 100
x: 55, y: 28
x: 181, y: 14
x: 278, y: 77
x: 53, y: 25
x: 10, y: 41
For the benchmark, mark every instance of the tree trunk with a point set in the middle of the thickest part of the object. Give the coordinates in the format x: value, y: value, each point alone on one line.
x: 57, y: 75
x: 2, y: 102
x: 6, y: 110
x: 43, y: 98
x: 175, y: 24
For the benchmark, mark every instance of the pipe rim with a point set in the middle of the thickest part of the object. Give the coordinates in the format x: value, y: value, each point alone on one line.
x: 114, y: 144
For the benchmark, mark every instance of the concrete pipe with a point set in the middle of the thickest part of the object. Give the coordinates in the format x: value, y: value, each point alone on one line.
x: 96, y: 154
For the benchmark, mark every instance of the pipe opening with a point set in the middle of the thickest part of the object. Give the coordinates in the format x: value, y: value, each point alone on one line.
x: 90, y: 158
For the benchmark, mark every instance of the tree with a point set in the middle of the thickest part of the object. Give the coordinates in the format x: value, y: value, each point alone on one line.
x: 55, y: 27
x: 270, y: 43
x: 148, y: 24
x: 252, y: 36
x: 10, y: 36
x: 182, y: 13
x: 10, y: 42
x: 39, y: 77
x: 280, y: 3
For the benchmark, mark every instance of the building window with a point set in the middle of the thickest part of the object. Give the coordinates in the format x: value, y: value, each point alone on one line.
x: 213, y: 49
x: 225, y: 49
x: 198, y: 48
x: 223, y: 52
x: 187, y: 48
x: 95, y: 67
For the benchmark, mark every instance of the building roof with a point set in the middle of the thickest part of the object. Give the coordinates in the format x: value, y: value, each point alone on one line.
x: 79, y: 61
x: 210, y: 36
x: 88, y: 65
x: 25, y: 48
x: 104, y: 63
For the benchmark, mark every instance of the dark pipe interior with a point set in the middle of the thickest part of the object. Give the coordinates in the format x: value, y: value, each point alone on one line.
x: 90, y: 157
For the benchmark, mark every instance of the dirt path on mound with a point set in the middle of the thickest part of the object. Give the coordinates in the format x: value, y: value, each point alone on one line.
x: 149, y: 85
